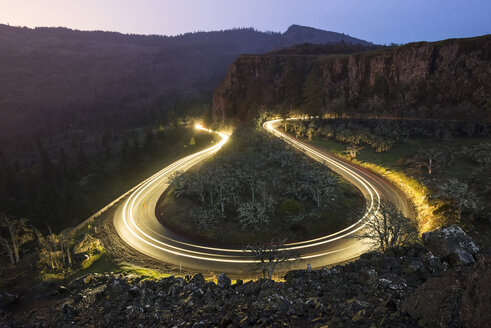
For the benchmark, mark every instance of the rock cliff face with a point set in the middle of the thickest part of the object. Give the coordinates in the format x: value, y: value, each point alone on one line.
x: 449, y: 79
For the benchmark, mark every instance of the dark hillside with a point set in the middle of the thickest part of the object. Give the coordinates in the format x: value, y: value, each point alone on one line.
x: 84, y: 116
x: 336, y: 48
x: 56, y: 78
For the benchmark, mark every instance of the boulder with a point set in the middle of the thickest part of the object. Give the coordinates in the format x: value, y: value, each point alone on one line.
x: 88, y: 245
x: 7, y: 300
x: 436, y: 303
x: 198, y: 279
x: 223, y: 281
x: 476, y: 296
x: 459, y: 297
x: 452, y: 244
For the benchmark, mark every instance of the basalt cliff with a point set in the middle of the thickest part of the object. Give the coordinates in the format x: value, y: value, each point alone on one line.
x: 449, y: 79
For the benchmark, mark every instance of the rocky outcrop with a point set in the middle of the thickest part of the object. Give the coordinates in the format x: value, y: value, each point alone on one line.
x: 86, y: 247
x: 88, y: 244
x: 441, y: 80
x: 369, y: 291
x: 8, y: 300
x: 403, y: 287
x: 459, y: 298
x: 452, y: 244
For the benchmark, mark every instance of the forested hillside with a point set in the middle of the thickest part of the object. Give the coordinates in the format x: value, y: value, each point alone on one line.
x: 84, y: 116
x: 52, y: 79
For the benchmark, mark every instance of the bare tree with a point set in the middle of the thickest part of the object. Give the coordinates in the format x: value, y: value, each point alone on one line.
x: 223, y: 189
x: 427, y: 158
x: 270, y: 255
x: 179, y: 182
x: 253, y: 215
x: 66, y: 242
x: 380, y: 144
x: 49, y: 253
x: 389, y: 228
x: 46, y: 257
x: 200, y: 185
x: 480, y: 153
x: 273, y: 177
x: 252, y: 179
x: 7, y: 249
x: 16, y: 234
x: 353, y: 150
x: 205, y: 216
x: 55, y: 250
x: 311, y: 129
x: 447, y: 154
x: 460, y: 194
x: 320, y: 186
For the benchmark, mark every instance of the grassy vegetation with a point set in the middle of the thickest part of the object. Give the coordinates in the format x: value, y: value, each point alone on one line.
x: 461, y: 167
x: 102, y: 263
x: 416, y: 183
x: 284, y: 192
x: 337, y: 216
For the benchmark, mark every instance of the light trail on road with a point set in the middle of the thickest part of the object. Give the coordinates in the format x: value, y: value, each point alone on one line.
x: 136, y: 222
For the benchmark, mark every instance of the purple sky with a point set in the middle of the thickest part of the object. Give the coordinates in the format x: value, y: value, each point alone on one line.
x: 379, y: 21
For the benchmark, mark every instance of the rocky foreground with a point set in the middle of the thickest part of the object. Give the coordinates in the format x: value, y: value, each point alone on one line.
x: 445, y: 283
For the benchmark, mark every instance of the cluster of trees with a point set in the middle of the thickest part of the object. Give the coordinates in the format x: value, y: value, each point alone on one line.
x: 433, y: 159
x: 459, y: 194
x: 380, y: 134
x: 328, y: 48
x: 55, y: 251
x: 480, y: 154
x: 463, y: 194
x: 389, y: 229
x: 251, y: 180
x: 65, y: 179
x: 380, y: 139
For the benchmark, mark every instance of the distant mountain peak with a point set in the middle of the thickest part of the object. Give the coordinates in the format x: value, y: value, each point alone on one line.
x: 294, y: 28
x: 296, y: 32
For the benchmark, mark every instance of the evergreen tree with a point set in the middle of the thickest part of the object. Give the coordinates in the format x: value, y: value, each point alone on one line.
x: 46, y: 166
x: 313, y: 93
x: 62, y: 161
x: 107, y: 153
x: 291, y: 90
x: 149, y: 140
x: 3, y: 161
x: 124, y: 149
x: 291, y: 93
x: 83, y: 161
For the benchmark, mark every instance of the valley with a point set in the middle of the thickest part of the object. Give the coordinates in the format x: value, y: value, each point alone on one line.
x: 233, y: 177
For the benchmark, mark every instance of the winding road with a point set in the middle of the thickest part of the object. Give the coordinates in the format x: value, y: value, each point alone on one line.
x: 136, y: 222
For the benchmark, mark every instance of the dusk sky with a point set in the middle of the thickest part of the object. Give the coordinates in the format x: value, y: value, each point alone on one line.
x: 378, y: 21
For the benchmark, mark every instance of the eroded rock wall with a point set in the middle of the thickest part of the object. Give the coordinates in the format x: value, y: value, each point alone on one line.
x: 448, y: 79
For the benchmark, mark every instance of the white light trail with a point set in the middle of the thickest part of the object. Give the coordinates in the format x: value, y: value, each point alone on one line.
x: 155, y: 186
